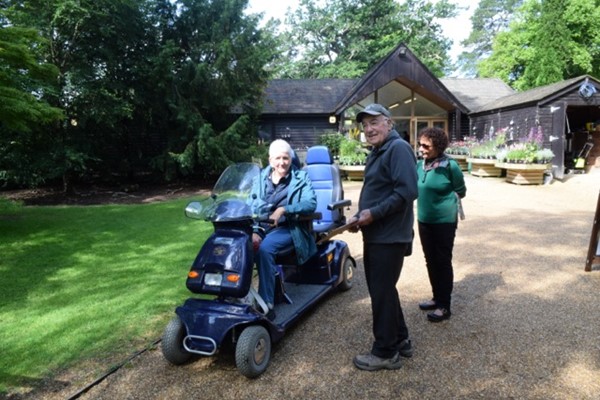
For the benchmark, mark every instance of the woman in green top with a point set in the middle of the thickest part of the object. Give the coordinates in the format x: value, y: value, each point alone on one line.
x: 441, y: 185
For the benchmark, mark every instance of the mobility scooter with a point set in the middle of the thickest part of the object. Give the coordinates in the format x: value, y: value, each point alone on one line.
x: 230, y: 311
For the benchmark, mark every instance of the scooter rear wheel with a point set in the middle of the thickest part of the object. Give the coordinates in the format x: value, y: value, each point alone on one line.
x: 347, y: 274
x: 253, y: 351
x: 172, y: 342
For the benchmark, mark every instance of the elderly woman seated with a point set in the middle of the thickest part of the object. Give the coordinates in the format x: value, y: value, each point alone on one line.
x: 289, y: 190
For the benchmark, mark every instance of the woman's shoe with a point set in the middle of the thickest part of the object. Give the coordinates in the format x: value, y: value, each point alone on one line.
x: 438, y: 315
x: 428, y: 305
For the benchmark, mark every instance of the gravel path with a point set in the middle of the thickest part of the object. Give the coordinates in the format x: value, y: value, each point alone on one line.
x: 524, y: 324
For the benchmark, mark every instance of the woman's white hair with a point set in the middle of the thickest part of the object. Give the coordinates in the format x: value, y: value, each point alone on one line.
x: 280, y: 146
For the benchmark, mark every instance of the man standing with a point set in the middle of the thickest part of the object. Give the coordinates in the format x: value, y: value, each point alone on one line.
x: 386, y: 220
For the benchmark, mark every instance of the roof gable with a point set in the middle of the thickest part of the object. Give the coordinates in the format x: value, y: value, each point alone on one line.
x: 404, y: 67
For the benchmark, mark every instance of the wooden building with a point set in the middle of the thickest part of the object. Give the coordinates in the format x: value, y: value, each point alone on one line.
x: 302, y: 110
x: 567, y: 114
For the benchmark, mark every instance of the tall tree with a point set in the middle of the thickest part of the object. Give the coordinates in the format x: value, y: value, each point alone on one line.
x: 548, y: 41
x: 344, y: 38
x: 96, y: 46
x: 216, y: 66
x: 489, y: 18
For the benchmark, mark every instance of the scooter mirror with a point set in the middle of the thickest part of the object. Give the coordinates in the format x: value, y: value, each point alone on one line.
x: 194, y: 210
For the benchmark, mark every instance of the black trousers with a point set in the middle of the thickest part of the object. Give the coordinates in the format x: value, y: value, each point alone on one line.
x: 383, y: 264
x: 437, y: 241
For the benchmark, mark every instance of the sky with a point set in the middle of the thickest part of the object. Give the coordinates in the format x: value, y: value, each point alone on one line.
x: 457, y: 29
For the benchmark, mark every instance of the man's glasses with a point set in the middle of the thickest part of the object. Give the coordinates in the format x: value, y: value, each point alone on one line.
x: 425, y: 146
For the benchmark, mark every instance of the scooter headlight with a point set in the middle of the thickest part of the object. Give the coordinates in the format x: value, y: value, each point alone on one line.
x: 212, y: 279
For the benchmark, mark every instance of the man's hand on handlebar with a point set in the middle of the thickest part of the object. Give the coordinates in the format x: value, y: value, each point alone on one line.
x: 363, y: 218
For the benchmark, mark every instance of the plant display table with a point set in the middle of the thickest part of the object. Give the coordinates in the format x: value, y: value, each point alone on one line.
x: 484, y: 167
x: 353, y: 172
x: 461, y: 160
x: 524, y: 174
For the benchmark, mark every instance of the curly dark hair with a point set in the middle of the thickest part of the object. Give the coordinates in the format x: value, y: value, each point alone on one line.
x: 438, y: 137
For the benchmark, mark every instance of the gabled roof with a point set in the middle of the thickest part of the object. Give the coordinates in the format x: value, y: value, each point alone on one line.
x: 305, y: 96
x: 404, y: 67
x: 542, y: 94
x: 475, y: 93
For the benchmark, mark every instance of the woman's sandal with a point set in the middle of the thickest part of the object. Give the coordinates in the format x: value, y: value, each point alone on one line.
x: 440, y: 314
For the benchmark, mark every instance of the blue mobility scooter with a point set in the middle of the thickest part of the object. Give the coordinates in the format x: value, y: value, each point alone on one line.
x: 233, y: 312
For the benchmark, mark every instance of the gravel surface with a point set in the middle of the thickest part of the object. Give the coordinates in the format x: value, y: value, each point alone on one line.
x: 524, y: 323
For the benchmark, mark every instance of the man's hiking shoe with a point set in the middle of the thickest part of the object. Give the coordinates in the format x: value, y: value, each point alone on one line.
x: 370, y: 362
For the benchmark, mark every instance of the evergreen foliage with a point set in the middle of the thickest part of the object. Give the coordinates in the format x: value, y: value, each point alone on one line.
x: 344, y: 38
x: 135, y: 84
x: 545, y: 42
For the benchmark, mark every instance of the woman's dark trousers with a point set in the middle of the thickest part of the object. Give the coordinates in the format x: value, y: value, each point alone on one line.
x: 437, y: 241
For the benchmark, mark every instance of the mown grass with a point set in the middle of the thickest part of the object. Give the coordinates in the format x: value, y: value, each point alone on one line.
x: 83, y: 283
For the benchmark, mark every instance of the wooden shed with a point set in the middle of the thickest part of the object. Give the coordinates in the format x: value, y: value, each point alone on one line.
x: 567, y: 113
x: 300, y: 110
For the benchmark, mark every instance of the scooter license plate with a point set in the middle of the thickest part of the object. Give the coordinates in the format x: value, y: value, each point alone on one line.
x: 213, y: 279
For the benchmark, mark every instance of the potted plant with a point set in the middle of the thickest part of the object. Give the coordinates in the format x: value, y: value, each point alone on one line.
x: 459, y: 150
x: 353, y: 157
x: 526, y: 162
x: 482, y: 156
x: 544, y: 156
x: 332, y: 140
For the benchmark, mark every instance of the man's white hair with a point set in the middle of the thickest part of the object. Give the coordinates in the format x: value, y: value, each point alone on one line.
x: 280, y: 146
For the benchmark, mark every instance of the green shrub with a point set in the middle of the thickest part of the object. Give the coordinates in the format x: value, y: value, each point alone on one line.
x: 332, y: 140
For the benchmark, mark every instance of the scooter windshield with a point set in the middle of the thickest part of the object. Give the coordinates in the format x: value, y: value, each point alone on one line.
x: 230, y: 196
x: 236, y: 180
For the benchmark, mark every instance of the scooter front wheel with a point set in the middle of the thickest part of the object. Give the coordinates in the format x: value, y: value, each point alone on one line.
x: 347, y: 274
x: 172, y: 342
x: 253, y: 351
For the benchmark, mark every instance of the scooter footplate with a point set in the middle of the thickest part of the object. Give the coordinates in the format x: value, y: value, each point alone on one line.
x: 303, y: 296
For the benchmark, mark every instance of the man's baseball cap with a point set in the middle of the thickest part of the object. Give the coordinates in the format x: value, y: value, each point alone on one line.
x: 373, y: 109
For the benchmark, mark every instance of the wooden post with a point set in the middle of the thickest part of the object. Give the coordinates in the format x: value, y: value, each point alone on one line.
x: 593, y: 255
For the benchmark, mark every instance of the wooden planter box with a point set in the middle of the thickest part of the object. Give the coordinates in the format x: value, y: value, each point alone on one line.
x: 484, y: 167
x: 461, y: 160
x: 524, y: 174
x: 353, y: 172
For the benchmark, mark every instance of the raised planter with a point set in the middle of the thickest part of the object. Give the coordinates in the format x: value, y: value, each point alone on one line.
x: 484, y: 167
x: 524, y: 174
x: 461, y: 160
x: 353, y: 172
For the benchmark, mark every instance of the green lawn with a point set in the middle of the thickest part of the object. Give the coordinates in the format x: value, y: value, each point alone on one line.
x: 88, y: 283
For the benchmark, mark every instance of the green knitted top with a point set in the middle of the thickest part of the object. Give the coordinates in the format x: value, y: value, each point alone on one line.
x: 438, y: 181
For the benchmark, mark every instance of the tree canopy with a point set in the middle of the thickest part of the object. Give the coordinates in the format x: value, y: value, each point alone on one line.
x: 344, y: 38
x: 533, y: 43
x: 24, y: 80
x: 489, y: 18
x: 136, y: 87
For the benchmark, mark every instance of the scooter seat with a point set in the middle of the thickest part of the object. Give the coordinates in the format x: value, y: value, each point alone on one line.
x: 326, y: 180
